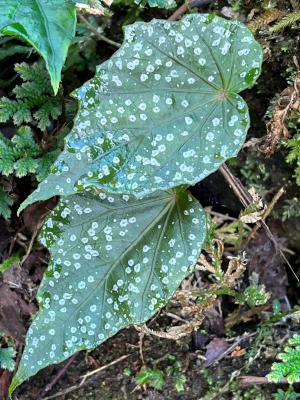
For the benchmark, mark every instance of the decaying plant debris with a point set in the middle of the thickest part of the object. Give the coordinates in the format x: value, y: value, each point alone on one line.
x: 237, y: 315
x: 289, y: 101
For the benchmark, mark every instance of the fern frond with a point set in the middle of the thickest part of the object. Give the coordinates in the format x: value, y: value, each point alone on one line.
x: 265, y: 19
x: 286, y: 21
x: 35, y: 73
x: 34, y: 100
x: 15, y: 109
x: 289, y: 367
x: 25, y: 166
x: 24, y: 143
x: 22, y: 115
x: 294, y: 146
x: 7, y: 156
x: 29, y: 90
x: 50, y: 109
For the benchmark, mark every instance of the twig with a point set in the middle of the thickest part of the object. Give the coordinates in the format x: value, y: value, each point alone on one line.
x: 236, y: 185
x: 141, y: 338
x: 174, y: 316
x: 98, y: 34
x: 32, y: 240
x: 84, y: 377
x: 100, y: 369
x: 177, y: 14
x: 231, y: 348
x: 12, y: 243
x: 265, y: 215
x: 28, y: 251
x: 224, y: 217
x: 59, y: 375
x: 245, y: 198
x: 248, y: 380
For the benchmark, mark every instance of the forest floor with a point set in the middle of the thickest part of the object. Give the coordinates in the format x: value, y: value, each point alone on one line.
x: 229, y: 356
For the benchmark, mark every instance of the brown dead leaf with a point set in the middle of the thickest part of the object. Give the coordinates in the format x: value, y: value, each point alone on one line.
x: 238, y: 352
x: 235, y: 269
x: 215, y: 349
x: 255, y: 211
x: 34, y: 214
x: 289, y: 100
x: 240, y: 315
x: 214, y: 322
x: 265, y: 19
x: 14, y: 312
x: 10, y: 316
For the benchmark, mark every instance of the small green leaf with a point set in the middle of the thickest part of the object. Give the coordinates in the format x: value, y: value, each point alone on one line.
x: 9, y: 262
x: 115, y: 261
x: 6, y: 358
x: 163, y: 111
x: 289, y: 367
x: 48, y: 25
x: 152, y: 377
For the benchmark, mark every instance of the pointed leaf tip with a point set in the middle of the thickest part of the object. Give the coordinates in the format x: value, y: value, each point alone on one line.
x: 164, y: 110
x: 50, y: 29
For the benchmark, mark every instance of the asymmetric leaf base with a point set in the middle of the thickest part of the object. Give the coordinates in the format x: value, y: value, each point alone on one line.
x: 115, y: 261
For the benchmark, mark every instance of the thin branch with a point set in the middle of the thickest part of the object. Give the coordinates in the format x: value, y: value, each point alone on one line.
x: 59, y: 375
x: 98, y: 35
x: 177, y: 14
x: 229, y: 350
x: 249, y: 380
x: 245, y: 198
x: 84, y: 378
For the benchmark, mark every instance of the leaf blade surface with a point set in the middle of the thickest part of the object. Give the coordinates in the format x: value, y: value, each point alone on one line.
x: 48, y: 25
x: 115, y: 261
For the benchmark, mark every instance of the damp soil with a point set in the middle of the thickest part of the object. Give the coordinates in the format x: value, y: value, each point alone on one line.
x: 125, y: 350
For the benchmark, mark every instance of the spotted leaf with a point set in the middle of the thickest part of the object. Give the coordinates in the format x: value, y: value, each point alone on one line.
x: 163, y: 111
x: 115, y: 261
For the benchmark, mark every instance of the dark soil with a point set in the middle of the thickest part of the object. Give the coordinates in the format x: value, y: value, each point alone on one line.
x: 226, y: 322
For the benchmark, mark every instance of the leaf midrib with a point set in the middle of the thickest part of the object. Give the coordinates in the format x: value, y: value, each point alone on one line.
x: 152, y: 270
x: 104, y: 278
x: 48, y: 32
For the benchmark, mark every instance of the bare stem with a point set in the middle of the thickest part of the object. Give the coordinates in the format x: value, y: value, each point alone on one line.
x: 98, y: 35
x: 245, y: 198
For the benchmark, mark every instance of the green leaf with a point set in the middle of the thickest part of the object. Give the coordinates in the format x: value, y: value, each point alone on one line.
x: 115, y: 261
x: 48, y: 25
x: 289, y: 367
x: 9, y: 262
x: 6, y: 358
x: 5, y: 202
x: 163, y: 111
x: 152, y: 377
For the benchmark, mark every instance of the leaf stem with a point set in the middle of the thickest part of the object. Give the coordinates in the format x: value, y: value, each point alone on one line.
x: 177, y: 14
x: 245, y: 198
x: 98, y: 35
